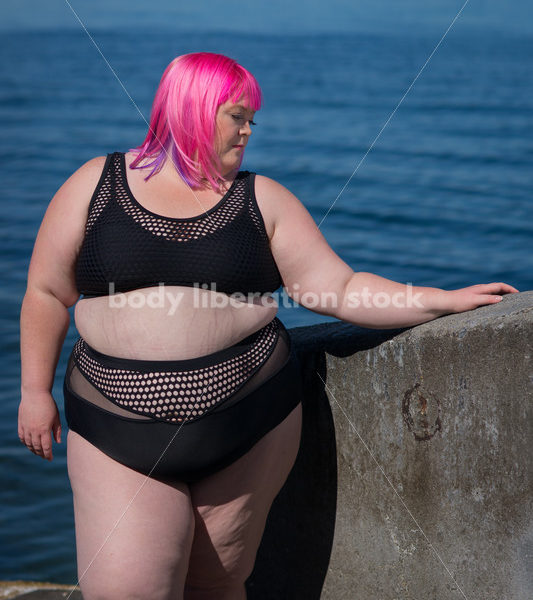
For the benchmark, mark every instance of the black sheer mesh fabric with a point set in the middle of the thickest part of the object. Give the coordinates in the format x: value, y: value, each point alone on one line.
x: 140, y: 392
x: 115, y: 188
x: 226, y: 247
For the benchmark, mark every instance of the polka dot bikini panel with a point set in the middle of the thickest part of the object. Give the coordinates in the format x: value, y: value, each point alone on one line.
x: 157, y: 390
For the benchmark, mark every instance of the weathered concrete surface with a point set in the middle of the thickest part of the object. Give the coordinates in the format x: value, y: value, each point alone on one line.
x: 414, y: 478
x: 37, y: 590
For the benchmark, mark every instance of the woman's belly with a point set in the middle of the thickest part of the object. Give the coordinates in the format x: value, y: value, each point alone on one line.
x: 169, y: 322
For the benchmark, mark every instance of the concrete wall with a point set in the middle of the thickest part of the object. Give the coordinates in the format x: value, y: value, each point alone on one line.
x: 414, y: 477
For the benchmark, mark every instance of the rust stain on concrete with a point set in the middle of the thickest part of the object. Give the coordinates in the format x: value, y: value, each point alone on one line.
x: 421, y: 413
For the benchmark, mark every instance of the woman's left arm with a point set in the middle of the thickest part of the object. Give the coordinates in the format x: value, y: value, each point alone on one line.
x: 317, y: 278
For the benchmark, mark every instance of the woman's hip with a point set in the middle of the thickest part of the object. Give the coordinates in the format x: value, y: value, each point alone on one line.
x: 212, y: 409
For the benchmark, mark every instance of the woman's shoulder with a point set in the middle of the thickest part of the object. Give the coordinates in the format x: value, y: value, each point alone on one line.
x: 93, y: 164
x: 87, y: 174
x: 268, y: 187
x: 275, y: 201
x: 81, y: 184
x: 272, y: 193
x: 89, y: 171
x: 79, y: 187
x: 73, y: 197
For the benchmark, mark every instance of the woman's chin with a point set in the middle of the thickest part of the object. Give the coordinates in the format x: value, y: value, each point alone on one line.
x: 229, y: 168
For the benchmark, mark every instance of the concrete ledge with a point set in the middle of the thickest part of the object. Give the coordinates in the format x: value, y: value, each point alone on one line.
x: 37, y: 590
x: 414, y: 477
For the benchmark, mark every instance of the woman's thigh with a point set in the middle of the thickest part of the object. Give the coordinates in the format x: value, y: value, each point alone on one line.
x: 231, y: 508
x: 133, y: 533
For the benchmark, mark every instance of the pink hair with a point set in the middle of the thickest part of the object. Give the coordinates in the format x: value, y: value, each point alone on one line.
x: 183, y: 118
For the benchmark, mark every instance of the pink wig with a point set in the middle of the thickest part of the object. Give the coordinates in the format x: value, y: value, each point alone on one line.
x: 183, y: 118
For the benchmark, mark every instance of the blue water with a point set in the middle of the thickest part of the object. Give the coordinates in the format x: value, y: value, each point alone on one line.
x: 443, y: 199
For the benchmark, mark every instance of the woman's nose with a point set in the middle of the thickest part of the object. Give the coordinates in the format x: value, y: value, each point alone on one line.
x: 246, y: 129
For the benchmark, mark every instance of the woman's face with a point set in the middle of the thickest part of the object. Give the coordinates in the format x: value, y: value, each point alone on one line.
x: 232, y: 132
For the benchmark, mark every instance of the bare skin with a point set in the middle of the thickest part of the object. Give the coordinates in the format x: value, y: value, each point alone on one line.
x: 175, y: 540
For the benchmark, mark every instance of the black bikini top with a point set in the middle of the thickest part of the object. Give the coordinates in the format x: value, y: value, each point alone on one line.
x: 127, y: 247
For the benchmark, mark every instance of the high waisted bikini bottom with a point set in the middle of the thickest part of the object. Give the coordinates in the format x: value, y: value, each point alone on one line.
x: 183, y: 419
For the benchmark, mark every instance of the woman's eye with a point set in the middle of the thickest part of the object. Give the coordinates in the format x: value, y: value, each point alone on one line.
x: 241, y: 117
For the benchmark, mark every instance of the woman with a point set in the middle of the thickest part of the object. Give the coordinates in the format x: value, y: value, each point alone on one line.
x: 183, y: 400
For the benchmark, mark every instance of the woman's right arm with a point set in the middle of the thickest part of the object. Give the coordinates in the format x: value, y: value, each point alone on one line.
x: 44, y: 317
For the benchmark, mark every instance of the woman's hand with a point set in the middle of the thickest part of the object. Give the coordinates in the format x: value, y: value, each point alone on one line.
x: 473, y: 296
x: 38, y: 416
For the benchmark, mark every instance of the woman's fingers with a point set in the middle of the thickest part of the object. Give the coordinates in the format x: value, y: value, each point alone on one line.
x: 36, y: 446
x: 479, y: 294
x: 29, y: 443
x: 57, y: 431
x: 490, y: 293
x: 26, y: 440
x: 38, y: 443
x: 38, y: 421
x: 497, y: 288
x: 46, y: 446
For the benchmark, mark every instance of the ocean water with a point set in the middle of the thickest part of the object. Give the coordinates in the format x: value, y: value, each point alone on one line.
x: 444, y: 197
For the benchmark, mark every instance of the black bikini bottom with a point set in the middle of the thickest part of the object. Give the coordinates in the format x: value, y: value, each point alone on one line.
x: 183, y: 419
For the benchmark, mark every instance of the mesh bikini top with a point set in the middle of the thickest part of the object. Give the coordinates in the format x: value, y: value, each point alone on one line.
x: 226, y: 247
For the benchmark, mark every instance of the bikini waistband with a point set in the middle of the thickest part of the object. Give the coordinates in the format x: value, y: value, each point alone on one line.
x: 268, y: 333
